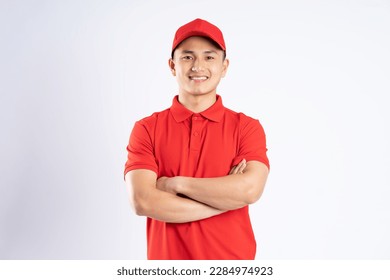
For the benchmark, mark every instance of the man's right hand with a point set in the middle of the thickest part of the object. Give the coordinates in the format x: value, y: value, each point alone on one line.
x: 239, y: 168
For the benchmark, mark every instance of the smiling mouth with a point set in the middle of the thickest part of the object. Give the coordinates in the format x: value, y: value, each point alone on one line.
x: 198, y: 78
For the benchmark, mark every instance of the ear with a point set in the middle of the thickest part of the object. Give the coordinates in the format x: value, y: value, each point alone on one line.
x: 225, y: 67
x: 171, y: 64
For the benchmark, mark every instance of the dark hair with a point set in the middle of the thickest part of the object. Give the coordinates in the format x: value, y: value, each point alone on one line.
x: 211, y: 41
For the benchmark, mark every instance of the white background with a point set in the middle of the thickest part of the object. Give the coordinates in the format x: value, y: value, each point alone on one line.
x: 76, y: 75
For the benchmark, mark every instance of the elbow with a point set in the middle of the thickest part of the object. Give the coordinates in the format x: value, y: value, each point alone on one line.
x: 139, y: 210
x: 253, y: 196
x: 254, y: 188
x: 139, y: 206
x: 253, y: 193
x: 140, y: 184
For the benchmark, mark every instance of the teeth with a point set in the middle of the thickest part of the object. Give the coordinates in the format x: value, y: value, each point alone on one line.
x: 198, y: 78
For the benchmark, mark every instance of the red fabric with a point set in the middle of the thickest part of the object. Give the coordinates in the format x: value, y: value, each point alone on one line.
x: 178, y: 142
x: 199, y: 27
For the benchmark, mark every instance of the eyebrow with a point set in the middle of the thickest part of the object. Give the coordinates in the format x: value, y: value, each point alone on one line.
x: 192, y: 52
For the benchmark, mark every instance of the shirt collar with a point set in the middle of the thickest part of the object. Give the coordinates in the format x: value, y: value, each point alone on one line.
x: 214, y: 112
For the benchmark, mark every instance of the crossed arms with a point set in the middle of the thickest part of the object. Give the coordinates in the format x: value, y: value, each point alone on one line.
x: 158, y: 198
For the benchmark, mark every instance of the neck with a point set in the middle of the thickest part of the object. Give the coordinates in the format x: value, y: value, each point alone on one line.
x: 197, y: 103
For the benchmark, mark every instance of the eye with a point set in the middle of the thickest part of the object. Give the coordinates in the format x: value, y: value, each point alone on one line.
x: 187, y: 57
x: 209, y: 57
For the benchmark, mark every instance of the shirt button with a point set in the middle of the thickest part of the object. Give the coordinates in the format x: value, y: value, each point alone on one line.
x: 196, y: 134
x: 195, y: 118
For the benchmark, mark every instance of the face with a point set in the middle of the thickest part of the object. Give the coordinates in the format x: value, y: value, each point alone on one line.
x: 198, y: 66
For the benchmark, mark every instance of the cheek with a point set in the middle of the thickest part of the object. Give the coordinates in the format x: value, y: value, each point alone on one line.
x: 218, y: 72
x: 180, y: 75
x: 181, y: 71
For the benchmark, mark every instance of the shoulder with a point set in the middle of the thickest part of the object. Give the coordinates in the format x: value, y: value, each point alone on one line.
x: 241, y: 118
x: 152, y: 119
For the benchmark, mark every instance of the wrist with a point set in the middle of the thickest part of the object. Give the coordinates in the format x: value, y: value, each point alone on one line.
x: 181, y: 183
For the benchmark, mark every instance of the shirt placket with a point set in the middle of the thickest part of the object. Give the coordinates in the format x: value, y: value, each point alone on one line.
x: 196, y: 133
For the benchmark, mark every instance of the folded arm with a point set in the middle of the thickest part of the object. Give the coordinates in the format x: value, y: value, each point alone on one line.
x: 229, y: 192
x: 149, y: 201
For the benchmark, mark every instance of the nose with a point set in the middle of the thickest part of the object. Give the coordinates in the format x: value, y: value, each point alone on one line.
x: 197, y: 67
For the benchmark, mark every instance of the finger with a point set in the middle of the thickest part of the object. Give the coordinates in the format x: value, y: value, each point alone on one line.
x: 233, y: 170
x: 238, y: 168
x: 242, y: 166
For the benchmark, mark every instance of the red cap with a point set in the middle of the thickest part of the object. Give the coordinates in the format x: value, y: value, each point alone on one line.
x: 199, y: 27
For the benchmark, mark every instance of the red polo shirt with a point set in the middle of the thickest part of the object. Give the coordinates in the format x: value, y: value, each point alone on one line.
x: 178, y: 142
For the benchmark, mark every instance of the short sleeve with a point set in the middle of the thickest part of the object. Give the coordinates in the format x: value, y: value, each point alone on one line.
x: 140, y: 151
x: 252, y: 145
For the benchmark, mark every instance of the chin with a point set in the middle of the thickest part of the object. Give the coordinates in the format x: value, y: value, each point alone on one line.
x: 201, y: 93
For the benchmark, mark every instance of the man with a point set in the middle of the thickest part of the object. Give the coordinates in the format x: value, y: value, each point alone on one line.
x: 194, y: 168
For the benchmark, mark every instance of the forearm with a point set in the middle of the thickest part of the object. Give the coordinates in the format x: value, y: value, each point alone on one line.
x: 227, y: 192
x: 171, y: 208
x: 148, y: 201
